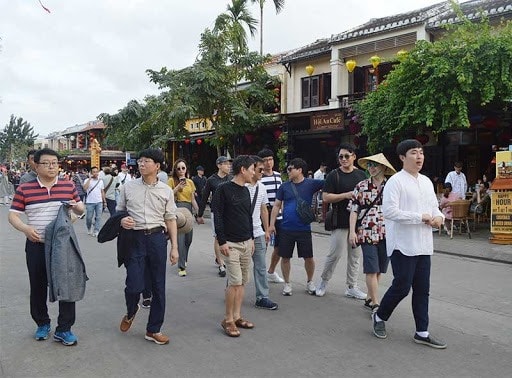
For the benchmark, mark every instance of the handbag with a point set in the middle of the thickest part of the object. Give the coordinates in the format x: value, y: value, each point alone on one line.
x: 304, y: 210
x: 331, y: 217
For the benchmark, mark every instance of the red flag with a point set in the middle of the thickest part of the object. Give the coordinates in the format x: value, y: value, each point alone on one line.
x: 46, y: 9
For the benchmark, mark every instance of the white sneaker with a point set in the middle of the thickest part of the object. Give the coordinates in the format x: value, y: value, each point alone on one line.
x: 311, y: 288
x: 354, y: 292
x: 94, y: 234
x: 274, y: 277
x: 89, y: 232
x: 287, y: 290
x: 320, y: 290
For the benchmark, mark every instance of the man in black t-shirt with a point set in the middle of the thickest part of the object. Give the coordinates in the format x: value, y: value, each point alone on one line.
x: 234, y: 230
x: 338, y: 188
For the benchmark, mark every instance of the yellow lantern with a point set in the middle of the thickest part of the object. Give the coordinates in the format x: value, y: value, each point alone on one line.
x: 310, y: 69
x: 401, y: 54
x: 375, y: 61
x: 351, y: 65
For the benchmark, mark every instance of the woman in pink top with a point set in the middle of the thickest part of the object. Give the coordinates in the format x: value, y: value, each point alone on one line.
x: 447, y: 197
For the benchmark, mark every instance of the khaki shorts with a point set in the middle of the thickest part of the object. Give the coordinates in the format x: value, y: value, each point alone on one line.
x: 238, y: 262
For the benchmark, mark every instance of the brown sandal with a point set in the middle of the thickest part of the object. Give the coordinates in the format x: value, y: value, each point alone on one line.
x: 230, y: 328
x: 242, y: 323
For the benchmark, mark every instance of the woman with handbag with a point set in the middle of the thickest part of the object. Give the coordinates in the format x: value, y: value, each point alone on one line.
x: 366, y: 223
x: 184, y: 195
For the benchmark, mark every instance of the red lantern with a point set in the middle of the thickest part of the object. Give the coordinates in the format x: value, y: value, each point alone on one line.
x: 199, y: 141
x: 187, y: 141
x: 277, y: 133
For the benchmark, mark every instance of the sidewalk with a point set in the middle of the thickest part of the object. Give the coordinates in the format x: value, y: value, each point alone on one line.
x: 478, y: 247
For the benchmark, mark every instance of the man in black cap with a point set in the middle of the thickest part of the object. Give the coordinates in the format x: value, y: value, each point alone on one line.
x: 222, y: 176
x: 199, y: 181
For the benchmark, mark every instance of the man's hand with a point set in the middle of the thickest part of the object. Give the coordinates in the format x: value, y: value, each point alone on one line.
x: 32, y: 235
x: 200, y: 220
x: 224, y: 249
x: 127, y: 223
x: 352, y: 239
x: 173, y: 256
x: 251, y: 246
x: 437, y: 222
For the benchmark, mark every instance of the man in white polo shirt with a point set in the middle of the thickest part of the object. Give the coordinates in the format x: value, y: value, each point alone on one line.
x: 94, y: 201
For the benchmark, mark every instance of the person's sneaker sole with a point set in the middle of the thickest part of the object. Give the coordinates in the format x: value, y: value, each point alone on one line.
x: 427, y: 343
x: 63, y: 342
x: 150, y: 338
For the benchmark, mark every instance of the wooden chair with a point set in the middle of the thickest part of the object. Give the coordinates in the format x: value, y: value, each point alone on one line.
x: 481, y: 211
x: 460, y: 213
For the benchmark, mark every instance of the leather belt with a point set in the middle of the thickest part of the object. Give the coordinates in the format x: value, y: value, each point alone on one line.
x: 154, y: 230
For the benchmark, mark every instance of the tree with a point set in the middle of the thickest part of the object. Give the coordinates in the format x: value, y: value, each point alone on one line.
x: 436, y: 84
x: 278, y: 4
x: 232, y: 24
x: 15, y: 140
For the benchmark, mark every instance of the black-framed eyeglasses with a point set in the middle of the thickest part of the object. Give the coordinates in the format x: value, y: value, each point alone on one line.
x: 344, y: 156
x: 289, y: 169
x: 47, y: 164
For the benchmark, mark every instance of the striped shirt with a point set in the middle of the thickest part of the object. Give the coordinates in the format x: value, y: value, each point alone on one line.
x: 41, y: 204
x: 272, y: 184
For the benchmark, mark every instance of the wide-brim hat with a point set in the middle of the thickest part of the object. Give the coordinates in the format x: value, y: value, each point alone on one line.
x: 380, y: 159
x: 184, y: 220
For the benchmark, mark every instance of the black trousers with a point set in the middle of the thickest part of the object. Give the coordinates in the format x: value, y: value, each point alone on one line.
x: 36, y: 265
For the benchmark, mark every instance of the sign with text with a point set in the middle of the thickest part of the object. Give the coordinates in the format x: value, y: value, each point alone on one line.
x: 504, y: 164
x: 327, y: 121
x: 501, y: 212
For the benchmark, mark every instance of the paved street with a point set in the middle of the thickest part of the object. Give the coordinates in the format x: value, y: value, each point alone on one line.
x: 471, y: 308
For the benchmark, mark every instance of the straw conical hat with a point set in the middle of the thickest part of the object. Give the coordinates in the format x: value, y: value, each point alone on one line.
x: 378, y: 158
x: 184, y: 220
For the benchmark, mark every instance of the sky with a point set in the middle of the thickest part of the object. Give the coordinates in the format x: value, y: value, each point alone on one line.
x: 85, y: 58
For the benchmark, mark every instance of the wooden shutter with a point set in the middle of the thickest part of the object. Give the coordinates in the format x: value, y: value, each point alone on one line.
x: 315, y: 91
x: 305, y: 92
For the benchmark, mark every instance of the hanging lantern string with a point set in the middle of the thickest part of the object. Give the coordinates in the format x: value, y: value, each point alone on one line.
x: 46, y: 9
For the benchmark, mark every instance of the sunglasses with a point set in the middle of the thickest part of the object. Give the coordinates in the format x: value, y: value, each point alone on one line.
x: 181, y: 168
x: 345, y: 156
x: 371, y: 164
x: 259, y: 170
x: 289, y: 169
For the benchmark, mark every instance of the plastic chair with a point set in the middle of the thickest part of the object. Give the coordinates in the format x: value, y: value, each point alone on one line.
x: 460, y: 213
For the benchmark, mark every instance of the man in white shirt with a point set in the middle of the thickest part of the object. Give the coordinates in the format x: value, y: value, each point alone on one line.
x: 260, y: 218
x: 458, y: 180
x: 94, y: 201
x: 410, y: 209
x: 320, y: 173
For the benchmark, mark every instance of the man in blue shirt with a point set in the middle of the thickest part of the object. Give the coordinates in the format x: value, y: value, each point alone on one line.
x: 293, y: 230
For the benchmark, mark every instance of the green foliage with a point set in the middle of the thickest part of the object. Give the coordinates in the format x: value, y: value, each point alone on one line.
x: 16, y: 139
x: 436, y: 83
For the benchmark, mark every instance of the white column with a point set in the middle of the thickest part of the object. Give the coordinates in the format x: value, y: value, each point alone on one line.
x: 336, y: 73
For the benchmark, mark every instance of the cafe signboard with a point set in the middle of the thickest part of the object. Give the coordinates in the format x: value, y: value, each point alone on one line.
x: 328, y: 121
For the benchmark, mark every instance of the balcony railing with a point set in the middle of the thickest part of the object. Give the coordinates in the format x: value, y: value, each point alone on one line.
x: 347, y: 100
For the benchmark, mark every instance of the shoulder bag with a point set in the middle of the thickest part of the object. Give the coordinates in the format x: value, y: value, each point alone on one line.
x: 306, y: 214
x: 331, y: 217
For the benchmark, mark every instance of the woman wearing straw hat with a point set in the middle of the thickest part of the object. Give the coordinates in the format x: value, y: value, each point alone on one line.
x: 366, y: 227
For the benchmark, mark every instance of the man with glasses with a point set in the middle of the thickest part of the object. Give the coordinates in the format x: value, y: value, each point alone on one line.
x: 152, y: 214
x: 272, y: 181
x: 214, y: 181
x: 338, y: 188
x: 260, y: 221
x: 94, y: 201
x: 40, y: 200
x: 293, y: 229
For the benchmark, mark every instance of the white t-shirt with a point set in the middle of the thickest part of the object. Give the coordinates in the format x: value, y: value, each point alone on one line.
x: 94, y: 195
x: 262, y: 199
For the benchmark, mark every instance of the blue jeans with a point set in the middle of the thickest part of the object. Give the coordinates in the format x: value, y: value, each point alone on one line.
x: 408, y: 271
x: 93, y: 208
x: 150, y: 250
x: 260, y: 267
